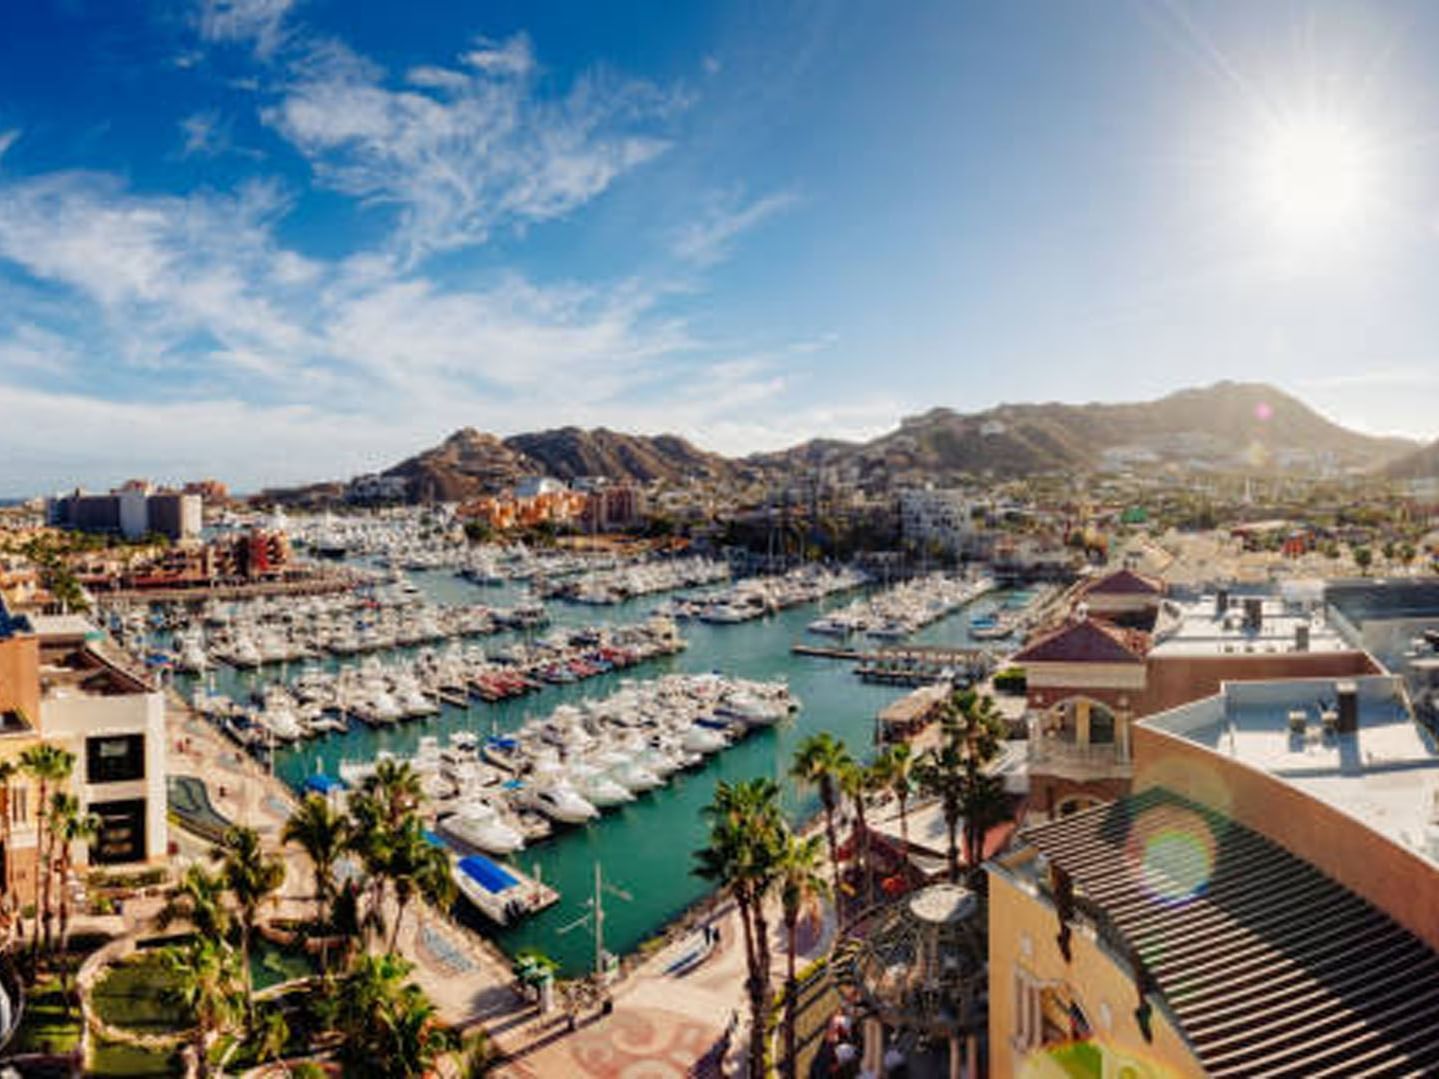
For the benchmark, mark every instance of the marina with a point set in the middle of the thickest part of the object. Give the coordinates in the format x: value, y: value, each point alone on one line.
x: 645, y: 843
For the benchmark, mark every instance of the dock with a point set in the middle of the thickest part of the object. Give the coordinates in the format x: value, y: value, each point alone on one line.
x: 909, y: 665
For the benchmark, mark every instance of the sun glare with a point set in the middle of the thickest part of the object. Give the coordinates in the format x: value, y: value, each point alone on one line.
x: 1315, y: 176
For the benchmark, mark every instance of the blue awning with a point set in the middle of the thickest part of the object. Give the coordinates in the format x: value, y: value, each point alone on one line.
x: 489, y: 876
x: 322, y: 784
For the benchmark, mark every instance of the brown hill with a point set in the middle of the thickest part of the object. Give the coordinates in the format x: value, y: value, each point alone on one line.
x: 569, y: 452
x: 466, y: 464
x: 1422, y: 464
x: 1243, y: 425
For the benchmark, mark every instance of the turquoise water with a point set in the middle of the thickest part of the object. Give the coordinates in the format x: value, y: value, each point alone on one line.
x: 646, y: 847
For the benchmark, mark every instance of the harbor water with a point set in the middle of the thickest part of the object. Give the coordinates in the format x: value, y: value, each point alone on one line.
x: 646, y: 847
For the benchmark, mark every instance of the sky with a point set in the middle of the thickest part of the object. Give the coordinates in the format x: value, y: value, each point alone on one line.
x: 274, y: 241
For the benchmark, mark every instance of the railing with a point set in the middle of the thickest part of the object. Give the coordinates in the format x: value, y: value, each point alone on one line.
x: 1049, y: 750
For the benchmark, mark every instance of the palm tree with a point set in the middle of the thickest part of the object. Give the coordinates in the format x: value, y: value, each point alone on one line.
x: 818, y: 762
x: 274, y: 1035
x: 896, y: 771
x: 416, y: 866
x: 388, y: 1027
x: 940, y: 772
x: 395, y: 786
x: 983, y: 804
x: 73, y: 827
x: 372, y: 833
x: 857, y: 781
x: 323, y: 833
x: 8, y: 771
x: 206, y: 982
x: 746, y: 830
x: 198, y: 898
x: 801, y: 887
x: 252, y: 876
x: 980, y: 725
x: 47, y: 764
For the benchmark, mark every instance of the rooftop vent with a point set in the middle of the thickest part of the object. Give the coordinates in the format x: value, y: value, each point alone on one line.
x: 1348, y: 698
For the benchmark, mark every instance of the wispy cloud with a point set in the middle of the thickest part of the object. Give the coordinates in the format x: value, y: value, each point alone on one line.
x: 709, y: 239
x: 7, y: 140
x: 461, y: 151
x: 204, y: 134
x: 258, y: 23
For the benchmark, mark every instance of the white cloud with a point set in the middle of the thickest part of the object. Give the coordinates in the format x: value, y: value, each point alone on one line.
x: 260, y: 23
x: 28, y: 350
x: 709, y: 239
x: 461, y: 153
x: 7, y: 140
x: 203, y: 133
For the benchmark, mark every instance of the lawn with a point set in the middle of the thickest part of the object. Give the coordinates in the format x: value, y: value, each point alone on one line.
x: 45, y: 1028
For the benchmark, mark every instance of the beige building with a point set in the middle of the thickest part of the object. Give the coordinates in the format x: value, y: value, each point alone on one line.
x: 1266, y: 902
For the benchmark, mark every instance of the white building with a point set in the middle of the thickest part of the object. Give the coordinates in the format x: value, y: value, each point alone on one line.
x: 944, y: 518
x: 114, y: 723
x: 533, y: 486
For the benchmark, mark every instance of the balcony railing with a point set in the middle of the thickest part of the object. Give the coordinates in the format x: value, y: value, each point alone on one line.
x: 1106, y: 757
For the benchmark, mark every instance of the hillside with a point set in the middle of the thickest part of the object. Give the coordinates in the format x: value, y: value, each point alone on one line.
x: 1238, y: 425
x: 1227, y: 426
x: 1423, y: 463
x: 569, y: 452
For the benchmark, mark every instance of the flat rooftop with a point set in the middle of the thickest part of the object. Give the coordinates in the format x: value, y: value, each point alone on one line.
x: 1197, y: 629
x: 1386, y: 773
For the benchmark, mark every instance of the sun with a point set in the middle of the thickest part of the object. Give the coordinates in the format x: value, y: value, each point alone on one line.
x: 1314, y: 176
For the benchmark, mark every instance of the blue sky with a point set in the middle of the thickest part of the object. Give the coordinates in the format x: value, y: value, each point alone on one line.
x: 277, y: 240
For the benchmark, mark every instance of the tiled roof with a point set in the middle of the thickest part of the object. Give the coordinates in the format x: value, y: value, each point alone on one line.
x: 1092, y: 640
x: 1125, y: 582
x: 1271, y: 967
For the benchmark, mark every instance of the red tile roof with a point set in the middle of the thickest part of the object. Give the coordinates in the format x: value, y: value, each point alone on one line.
x: 1091, y: 641
x: 1124, y: 582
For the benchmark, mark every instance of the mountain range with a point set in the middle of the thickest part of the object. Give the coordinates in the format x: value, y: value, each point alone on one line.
x: 1229, y: 425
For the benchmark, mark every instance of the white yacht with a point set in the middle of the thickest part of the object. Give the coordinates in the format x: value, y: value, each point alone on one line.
x: 560, y: 802
x: 479, y: 824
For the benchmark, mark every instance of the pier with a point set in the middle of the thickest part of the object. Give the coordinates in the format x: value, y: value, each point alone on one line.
x: 909, y: 665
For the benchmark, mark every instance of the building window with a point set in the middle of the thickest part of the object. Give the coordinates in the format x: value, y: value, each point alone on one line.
x: 115, y: 759
x: 121, y: 837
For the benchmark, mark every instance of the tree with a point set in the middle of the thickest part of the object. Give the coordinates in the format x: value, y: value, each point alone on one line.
x: 745, y: 839
x: 198, y: 898
x: 818, y: 762
x: 940, y: 772
x: 207, y: 984
x: 274, y: 1035
x: 388, y: 1028
x: 395, y: 786
x: 983, y: 804
x: 1363, y: 558
x: 72, y: 826
x: 415, y: 866
x: 323, y: 833
x: 8, y: 771
x: 801, y: 887
x: 252, y: 876
x: 896, y: 771
x: 858, y: 781
x: 981, y: 726
x: 49, y: 765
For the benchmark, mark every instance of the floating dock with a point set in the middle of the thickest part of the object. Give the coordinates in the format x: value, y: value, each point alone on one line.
x: 909, y: 665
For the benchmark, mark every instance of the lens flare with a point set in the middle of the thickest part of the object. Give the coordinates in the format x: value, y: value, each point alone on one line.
x: 1172, y: 854
x: 1263, y: 412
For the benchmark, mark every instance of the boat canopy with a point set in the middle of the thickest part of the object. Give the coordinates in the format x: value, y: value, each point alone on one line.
x: 489, y: 876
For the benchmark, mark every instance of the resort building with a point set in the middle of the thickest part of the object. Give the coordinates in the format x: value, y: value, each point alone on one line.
x: 58, y: 686
x: 939, y: 519
x: 1266, y: 902
x: 132, y: 511
x: 1089, y: 679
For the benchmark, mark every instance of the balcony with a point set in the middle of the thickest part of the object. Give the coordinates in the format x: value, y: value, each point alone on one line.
x: 1062, y: 756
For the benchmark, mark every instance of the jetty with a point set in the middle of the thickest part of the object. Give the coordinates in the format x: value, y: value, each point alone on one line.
x: 911, y: 664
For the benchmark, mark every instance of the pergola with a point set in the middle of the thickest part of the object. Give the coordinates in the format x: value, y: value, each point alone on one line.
x: 917, y: 968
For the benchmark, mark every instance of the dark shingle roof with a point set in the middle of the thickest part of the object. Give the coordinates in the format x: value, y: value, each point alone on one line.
x: 1272, y: 968
x: 1124, y: 582
x: 1089, y: 641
